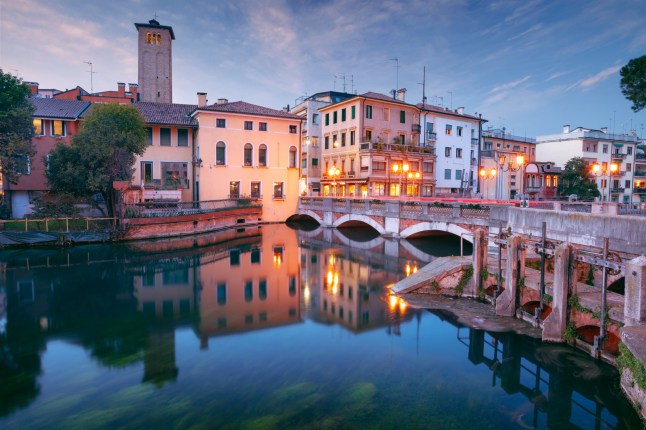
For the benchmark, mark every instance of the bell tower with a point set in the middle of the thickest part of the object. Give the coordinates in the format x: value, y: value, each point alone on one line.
x: 155, y: 43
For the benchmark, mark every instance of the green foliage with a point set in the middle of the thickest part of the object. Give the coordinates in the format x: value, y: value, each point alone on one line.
x: 472, y: 206
x: 521, y: 283
x: 573, y: 302
x: 576, y: 179
x: 440, y: 205
x: 590, y: 279
x: 16, y: 127
x: 484, y: 274
x: 633, y: 82
x: 5, y: 213
x: 104, y: 150
x: 548, y: 298
x: 55, y: 206
x: 570, y: 332
x: 435, y: 286
x: 467, y: 274
x: 627, y: 360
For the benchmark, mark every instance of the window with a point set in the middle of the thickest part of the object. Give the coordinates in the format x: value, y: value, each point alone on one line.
x: 402, y: 117
x: 447, y: 152
x: 447, y: 173
x: 335, y: 117
x: 327, y: 142
x: 58, y: 128
x: 427, y: 167
x: 352, y: 139
x: 234, y: 189
x: 147, y: 172
x: 627, y: 186
x: 353, y: 111
x: 629, y: 167
x: 222, y: 294
x: 38, y: 127
x: 149, y: 136
x: 315, y: 118
x: 221, y: 123
x: 248, y: 154
x: 23, y: 166
x: 368, y: 135
x: 182, y: 137
x: 292, y: 157
x: 255, y: 256
x: 386, y: 114
x: 262, y: 126
x: 293, y: 129
x: 220, y: 154
x: 458, y: 174
x: 378, y: 165
x: 448, y: 129
x: 174, y: 175
x: 255, y: 193
x: 248, y: 125
x: 459, y: 130
x: 262, y: 155
x: 315, y: 162
x: 342, y: 139
x: 262, y: 289
x: 164, y: 136
x: 248, y: 291
x: 458, y: 152
x: 343, y: 114
x: 278, y: 190
x: 368, y: 111
x: 629, y: 151
x: 234, y: 257
x: 327, y: 119
x: 605, y: 149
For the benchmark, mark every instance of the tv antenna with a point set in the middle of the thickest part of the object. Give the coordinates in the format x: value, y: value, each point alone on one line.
x: 396, y: 60
x: 92, y: 72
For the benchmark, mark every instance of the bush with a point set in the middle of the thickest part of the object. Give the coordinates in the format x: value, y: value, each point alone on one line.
x: 55, y: 206
x: 5, y: 213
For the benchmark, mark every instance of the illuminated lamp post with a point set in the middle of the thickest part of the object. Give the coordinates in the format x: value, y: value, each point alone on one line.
x: 400, y: 170
x: 513, y: 165
x: 602, y: 170
x: 334, y: 173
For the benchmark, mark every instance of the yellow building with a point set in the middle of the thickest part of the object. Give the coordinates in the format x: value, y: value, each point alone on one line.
x: 245, y: 150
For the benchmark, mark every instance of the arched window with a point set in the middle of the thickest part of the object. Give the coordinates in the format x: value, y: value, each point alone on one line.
x: 248, y: 154
x: 262, y: 155
x: 220, y: 154
x: 158, y: 39
x: 148, y: 37
x: 292, y: 157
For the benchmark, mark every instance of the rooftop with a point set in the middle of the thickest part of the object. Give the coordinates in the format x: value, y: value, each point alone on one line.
x: 247, y: 108
x: 153, y: 23
x: 60, y: 109
x: 167, y: 113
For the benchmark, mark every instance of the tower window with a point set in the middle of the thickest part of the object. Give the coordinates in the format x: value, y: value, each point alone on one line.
x: 148, y: 37
x: 158, y: 41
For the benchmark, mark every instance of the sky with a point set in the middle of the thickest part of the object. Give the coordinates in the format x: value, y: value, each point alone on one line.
x: 530, y: 66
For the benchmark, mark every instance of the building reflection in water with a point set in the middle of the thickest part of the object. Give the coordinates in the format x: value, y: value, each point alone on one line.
x: 124, y: 303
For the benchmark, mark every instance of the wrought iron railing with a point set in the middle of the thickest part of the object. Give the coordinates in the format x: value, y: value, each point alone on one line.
x: 171, y: 209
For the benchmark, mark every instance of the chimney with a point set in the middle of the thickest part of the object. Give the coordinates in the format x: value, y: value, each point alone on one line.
x: 134, y: 89
x: 223, y: 101
x: 401, y: 94
x: 604, y: 129
x: 460, y: 110
x: 566, y: 128
x: 201, y: 100
x: 121, y: 89
x: 33, y: 87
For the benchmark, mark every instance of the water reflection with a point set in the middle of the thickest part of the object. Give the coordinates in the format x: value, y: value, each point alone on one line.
x: 173, y: 313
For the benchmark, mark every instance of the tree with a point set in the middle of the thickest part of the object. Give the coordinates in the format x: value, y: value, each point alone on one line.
x: 104, y: 150
x: 575, y: 179
x: 633, y: 82
x: 16, y: 127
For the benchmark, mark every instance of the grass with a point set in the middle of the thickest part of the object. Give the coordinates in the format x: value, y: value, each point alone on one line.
x: 462, y: 282
x: 627, y: 360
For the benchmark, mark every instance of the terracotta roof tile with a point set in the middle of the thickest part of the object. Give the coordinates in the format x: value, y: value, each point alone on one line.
x: 54, y: 108
x: 167, y: 113
x: 248, y: 108
x: 439, y: 109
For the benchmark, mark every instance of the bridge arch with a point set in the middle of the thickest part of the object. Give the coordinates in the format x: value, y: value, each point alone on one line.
x: 308, y: 213
x: 438, y: 226
x: 360, y: 218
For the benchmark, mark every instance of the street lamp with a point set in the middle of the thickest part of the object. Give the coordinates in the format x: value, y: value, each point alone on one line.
x: 601, y: 170
x: 513, y: 165
x: 334, y: 173
x: 414, y: 177
x: 400, y: 170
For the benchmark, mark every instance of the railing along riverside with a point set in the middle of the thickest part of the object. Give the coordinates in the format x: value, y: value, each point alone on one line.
x: 632, y: 209
x: 65, y: 224
x: 169, y: 209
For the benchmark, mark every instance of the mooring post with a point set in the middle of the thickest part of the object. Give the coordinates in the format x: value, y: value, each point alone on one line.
x: 499, y: 281
x: 507, y: 302
x: 635, y: 292
x: 479, y: 262
x: 598, y: 340
x: 555, y: 324
x: 542, y: 281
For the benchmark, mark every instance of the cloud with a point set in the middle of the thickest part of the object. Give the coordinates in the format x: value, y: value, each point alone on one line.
x: 599, y: 77
x: 509, y: 85
x: 555, y: 75
x: 532, y: 29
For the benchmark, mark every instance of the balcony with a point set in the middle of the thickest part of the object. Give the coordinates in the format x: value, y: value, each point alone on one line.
x: 618, y: 156
x: 617, y: 190
x: 532, y: 190
x: 416, y: 128
x: 639, y: 190
x: 391, y: 147
x: 640, y: 173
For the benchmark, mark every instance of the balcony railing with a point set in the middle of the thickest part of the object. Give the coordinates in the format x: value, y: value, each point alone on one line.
x: 391, y: 147
x: 532, y: 190
x: 640, y: 173
x: 639, y: 190
x: 416, y: 128
x: 617, y: 190
x: 618, y: 156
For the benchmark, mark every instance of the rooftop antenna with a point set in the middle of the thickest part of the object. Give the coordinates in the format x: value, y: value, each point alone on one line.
x: 451, y: 94
x: 341, y: 76
x: 155, y: 16
x: 396, y: 60
x: 352, y: 84
x: 91, y: 76
x: 424, y: 87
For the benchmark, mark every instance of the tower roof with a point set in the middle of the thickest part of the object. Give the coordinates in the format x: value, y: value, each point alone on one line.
x: 153, y: 23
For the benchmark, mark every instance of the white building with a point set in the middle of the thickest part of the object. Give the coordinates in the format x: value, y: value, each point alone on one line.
x: 455, y: 136
x: 596, y: 146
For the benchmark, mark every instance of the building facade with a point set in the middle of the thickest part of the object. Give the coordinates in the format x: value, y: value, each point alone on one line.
x: 596, y: 146
x: 249, y: 151
x: 541, y: 180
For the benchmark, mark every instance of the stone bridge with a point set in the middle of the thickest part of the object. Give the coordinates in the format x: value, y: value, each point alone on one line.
x: 580, y: 224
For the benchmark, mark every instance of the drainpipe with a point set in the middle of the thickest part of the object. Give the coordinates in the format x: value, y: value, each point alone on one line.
x: 479, y: 157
